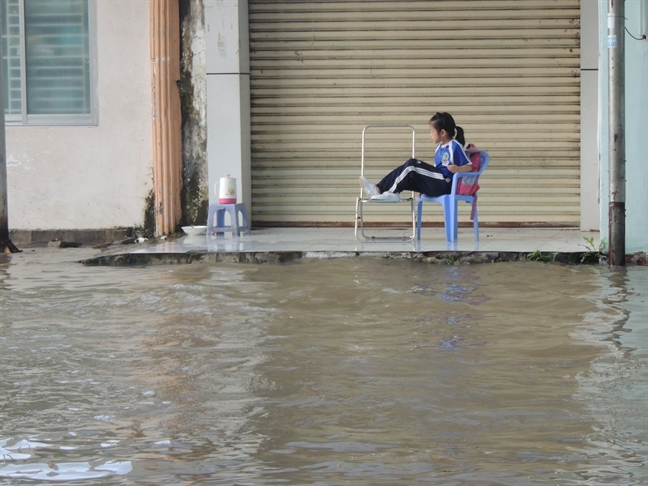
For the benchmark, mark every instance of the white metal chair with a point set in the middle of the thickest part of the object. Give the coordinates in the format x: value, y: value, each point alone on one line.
x: 363, y: 199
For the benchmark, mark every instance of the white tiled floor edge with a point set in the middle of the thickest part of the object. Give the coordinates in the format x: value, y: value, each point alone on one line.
x: 564, y: 240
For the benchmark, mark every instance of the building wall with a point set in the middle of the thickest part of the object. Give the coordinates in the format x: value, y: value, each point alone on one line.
x: 227, y: 109
x: 636, y: 125
x: 228, y: 96
x: 193, y: 94
x: 92, y: 177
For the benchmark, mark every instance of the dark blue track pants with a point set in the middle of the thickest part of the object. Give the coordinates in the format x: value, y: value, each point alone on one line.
x: 418, y: 176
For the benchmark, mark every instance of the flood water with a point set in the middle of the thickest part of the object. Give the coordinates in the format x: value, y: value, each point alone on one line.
x: 359, y: 371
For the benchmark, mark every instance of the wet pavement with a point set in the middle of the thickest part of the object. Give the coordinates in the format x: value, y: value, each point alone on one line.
x: 562, y: 240
x: 566, y: 245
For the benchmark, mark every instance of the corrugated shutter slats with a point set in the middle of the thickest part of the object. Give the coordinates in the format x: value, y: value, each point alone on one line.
x: 508, y: 71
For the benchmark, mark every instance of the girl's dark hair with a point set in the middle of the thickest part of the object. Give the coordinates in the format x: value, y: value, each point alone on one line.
x: 444, y: 121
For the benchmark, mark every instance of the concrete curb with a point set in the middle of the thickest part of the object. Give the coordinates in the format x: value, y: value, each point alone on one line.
x: 434, y: 257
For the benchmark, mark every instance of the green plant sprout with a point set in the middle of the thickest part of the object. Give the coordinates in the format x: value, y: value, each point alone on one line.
x: 593, y: 254
x: 538, y: 256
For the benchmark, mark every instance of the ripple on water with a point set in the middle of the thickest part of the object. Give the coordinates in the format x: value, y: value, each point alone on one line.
x: 65, y: 471
x: 359, y: 371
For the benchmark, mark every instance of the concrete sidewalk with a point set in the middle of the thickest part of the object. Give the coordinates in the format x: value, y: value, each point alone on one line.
x: 561, y: 245
x: 529, y: 240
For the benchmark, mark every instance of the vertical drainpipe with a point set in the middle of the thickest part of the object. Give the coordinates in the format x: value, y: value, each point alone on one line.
x: 167, y: 150
x: 616, y: 57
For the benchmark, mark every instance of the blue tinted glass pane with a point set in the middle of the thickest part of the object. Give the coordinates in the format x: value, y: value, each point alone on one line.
x: 10, y: 13
x: 57, y: 57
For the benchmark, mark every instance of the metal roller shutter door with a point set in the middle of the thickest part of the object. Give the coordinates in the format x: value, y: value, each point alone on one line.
x: 508, y: 71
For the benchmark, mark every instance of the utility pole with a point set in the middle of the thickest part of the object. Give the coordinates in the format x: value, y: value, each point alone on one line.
x: 6, y: 246
x: 616, y: 58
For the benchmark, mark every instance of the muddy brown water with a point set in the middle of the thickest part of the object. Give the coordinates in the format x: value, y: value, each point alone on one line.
x: 354, y: 371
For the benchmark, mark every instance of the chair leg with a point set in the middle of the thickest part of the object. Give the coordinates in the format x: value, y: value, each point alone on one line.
x: 414, y: 219
x: 234, y: 221
x: 448, y: 220
x: 210, y: 220
x: 455, y: 219
x: 419, y: 215
x: 474, y: 217
x: 246, y: 224
x: 358, y: 218
x: 220, y: 221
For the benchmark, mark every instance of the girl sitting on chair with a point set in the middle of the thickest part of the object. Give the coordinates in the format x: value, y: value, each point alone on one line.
x: 418, y: 176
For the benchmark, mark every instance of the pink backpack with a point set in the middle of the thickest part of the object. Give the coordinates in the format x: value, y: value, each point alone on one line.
x: 467, y: 186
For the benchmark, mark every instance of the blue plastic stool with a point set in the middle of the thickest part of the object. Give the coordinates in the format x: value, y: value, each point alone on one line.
x: 218, y: 210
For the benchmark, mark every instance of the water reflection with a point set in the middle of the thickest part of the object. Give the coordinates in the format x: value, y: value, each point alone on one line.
x: 614, y: 388
x: 356, y: 370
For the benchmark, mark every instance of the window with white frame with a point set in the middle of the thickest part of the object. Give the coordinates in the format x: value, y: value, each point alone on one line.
x: 47, y: 64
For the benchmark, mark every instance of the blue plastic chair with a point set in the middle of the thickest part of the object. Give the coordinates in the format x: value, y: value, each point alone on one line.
x: 449, y: 202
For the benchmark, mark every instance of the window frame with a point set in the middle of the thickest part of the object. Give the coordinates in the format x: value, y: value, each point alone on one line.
x: 86, y: 119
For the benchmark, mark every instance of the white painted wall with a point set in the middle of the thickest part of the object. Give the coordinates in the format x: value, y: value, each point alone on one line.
x: 92, y: 177
x: 636, y: 125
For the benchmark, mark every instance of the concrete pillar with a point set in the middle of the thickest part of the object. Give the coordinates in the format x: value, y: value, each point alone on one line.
x: 589, y: 174
x: 228, y: 96
x: 167, y: 144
